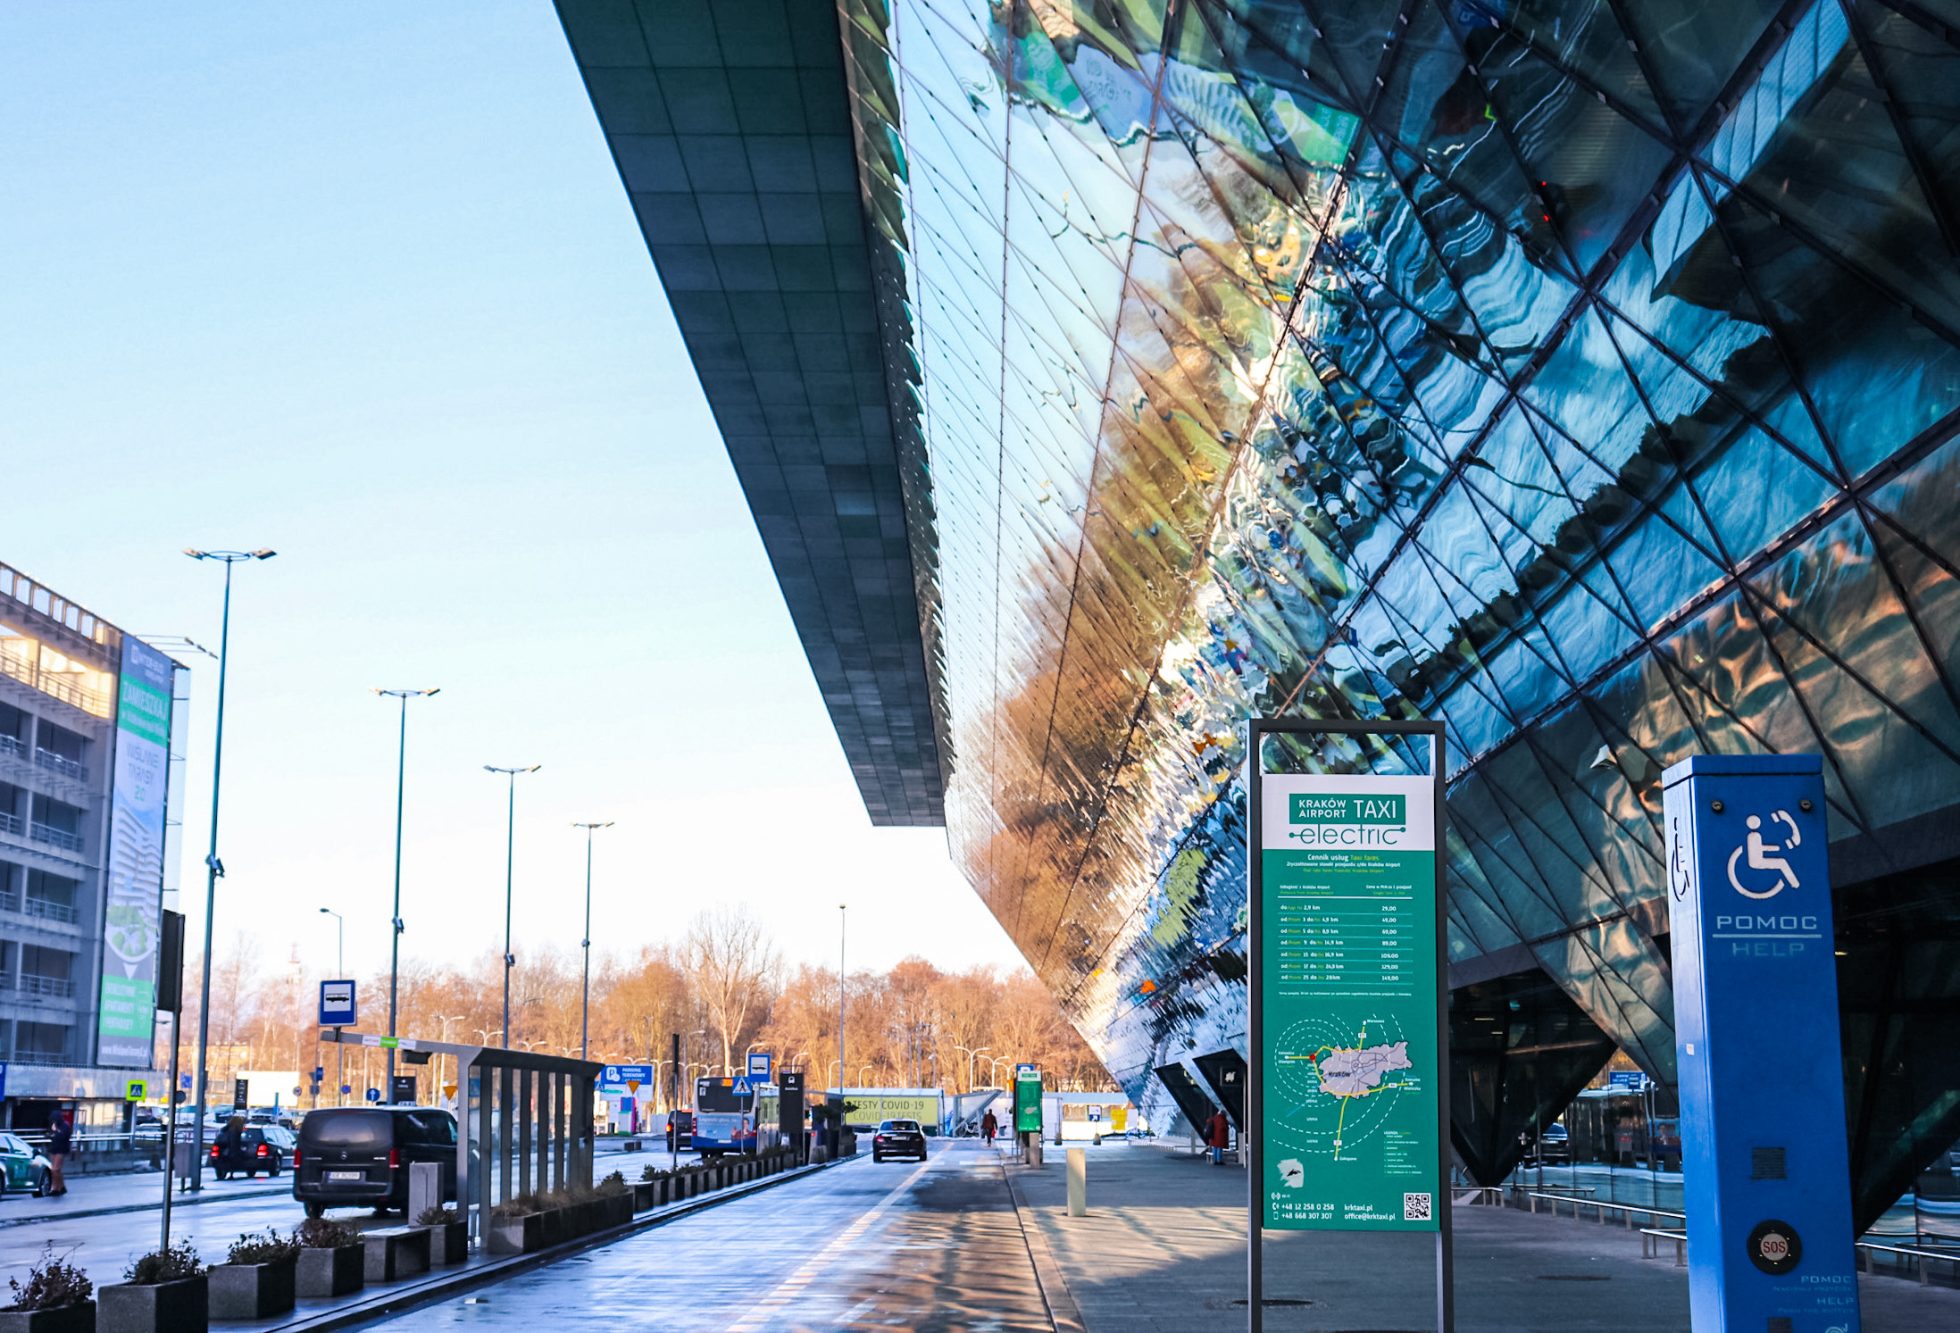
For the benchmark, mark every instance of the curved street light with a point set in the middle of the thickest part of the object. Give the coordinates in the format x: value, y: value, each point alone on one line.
x: 510, y: 855
x: 214, y: 868
x: 585, y: 990
x: 401, y: 786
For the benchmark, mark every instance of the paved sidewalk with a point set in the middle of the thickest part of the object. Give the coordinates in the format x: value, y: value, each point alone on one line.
x: 1163, y: 1250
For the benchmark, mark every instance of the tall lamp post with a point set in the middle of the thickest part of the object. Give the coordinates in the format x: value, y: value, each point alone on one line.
x: 585, y: 991
x: 842, y: 917
x: 213, y: 867
x: 340, y: 973
x: 395, y: 937
x: 510, y: 852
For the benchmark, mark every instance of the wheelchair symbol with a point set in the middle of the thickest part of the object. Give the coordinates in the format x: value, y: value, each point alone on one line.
x: 1761, y: 856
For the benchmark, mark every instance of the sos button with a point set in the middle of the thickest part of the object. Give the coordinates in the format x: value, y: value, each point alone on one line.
x: 1775, y: 1247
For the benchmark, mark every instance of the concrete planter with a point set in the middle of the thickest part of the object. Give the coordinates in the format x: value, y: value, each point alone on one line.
x: 154, y: 1307
x: 394, y: 1255
x: 517, y: 1235
x: 330, y: 1272
x: 252, y: 1291
x: 556, y: 1225
x: 449, y: 1243
x: 62, y: 1319
x: 643, y: 1195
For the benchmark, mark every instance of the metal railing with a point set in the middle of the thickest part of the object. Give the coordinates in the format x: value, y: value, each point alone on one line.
x: 1486, y: 1196
x: 13, y: 824
x: 13, y: 745
x: 58, y: 987
x: 61, y: 764
x: 55, y: 837
x: 1583, y: 1199
x: 1653, y: 1239
x: 42, y: 1058
x: 47, y: 908
x: 1909, y: 1257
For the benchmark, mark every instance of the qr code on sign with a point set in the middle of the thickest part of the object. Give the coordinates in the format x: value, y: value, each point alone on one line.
x: 1415, y: 1207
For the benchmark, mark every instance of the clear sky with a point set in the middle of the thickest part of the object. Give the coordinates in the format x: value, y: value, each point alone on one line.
x: 358, y: 281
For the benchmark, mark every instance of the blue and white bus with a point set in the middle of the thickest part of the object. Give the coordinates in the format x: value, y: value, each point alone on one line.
x: 725, y: 1119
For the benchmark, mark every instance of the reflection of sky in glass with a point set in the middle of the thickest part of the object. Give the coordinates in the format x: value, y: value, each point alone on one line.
x: 1269, y: 370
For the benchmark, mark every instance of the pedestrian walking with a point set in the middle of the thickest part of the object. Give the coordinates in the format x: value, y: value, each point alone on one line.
x: 1218, y: 1133
x: 989, y: 1126
x: 61, y: 1139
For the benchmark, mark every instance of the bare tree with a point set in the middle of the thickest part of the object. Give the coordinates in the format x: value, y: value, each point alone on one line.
x: 731, y: 963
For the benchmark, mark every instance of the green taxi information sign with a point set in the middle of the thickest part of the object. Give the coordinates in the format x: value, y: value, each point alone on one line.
x: 1349, y: 1059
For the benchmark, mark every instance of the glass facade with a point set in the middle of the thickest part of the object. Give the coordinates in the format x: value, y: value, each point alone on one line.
x: 1583, y: 374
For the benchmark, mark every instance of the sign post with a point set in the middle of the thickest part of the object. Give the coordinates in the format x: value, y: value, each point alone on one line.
x: 1763, y: 1158
x: 1027, y: 1112
x: 1349, y: 1031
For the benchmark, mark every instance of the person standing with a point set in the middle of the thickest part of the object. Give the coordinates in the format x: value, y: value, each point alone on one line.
x: 1218, y: 1133
x: 61, y: 1139
x: 989, y: 1126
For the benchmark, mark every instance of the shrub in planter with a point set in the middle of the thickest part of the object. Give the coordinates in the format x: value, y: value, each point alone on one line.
x: 647, y: 1173
x: 330, y: 1259
x: 449, y: 1235
x: 54, y: 1299
x: 517, y: 1225
x: 256, y: 1281
x: 164, y: 1291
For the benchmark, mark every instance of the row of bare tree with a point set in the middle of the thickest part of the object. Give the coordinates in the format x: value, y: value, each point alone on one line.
x: 723, y: 989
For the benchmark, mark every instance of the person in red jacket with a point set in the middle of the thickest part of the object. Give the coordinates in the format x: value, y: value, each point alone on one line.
x: 1218, y: 1133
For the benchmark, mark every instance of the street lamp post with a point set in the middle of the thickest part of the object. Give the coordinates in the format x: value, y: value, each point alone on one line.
x: 970, y: 1053
x: 510, y: 853
x: 214, y: 868
x: 395, y: 922
x: 585, y: 991
x: 842, y: 918
x: 340, y: 974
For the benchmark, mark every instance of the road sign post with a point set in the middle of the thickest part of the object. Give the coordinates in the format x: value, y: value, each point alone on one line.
x: 1765, y: 1169
x: 1347, y: 1126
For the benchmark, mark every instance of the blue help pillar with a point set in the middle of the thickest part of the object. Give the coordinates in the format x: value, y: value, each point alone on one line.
x: 1763, y: 1154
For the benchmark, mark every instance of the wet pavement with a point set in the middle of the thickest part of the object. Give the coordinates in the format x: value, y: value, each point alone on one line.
x: 935, y: 1248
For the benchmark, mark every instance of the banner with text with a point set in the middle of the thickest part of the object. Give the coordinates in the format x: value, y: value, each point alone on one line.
x: 132, y: 920
x: 1349, y: 1073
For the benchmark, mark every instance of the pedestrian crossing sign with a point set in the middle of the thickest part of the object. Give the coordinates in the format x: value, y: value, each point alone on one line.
x: 136, y: 1090
x: 743, y: 1085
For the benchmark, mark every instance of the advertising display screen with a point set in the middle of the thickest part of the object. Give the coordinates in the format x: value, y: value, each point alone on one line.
x: 1350, y: 1072
x: 132, y: 916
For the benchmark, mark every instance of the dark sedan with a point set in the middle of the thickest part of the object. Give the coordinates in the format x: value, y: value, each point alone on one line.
x: 257, y: 1148
x: 898, y: 1138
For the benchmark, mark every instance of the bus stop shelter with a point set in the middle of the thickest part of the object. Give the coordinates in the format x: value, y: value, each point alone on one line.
x: 524, y: 1119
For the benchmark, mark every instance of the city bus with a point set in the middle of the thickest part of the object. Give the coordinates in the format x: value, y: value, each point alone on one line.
x: 725, y: 1120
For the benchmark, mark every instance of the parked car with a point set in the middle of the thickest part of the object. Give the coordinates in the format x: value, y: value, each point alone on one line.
x: 1554, y: 1143
x: 355, y: 1156
x: 898, y: 1138
x: 685, y: 1121
x: 257, y: 1148
x: 22, y: 1167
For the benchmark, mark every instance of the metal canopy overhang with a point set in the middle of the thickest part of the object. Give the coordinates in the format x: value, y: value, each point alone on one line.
x: 730, y: 125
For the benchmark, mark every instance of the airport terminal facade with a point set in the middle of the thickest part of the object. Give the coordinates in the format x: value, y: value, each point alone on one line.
x: 1581, y: 373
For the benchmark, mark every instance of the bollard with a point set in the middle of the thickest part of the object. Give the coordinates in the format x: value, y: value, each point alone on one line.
x: 424, y: 1188
x: 1034, y: 1148
x: 1078, y: 1183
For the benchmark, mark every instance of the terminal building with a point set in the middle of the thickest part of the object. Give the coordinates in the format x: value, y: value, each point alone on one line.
x: 1101, y: 373
x: 91, y: 721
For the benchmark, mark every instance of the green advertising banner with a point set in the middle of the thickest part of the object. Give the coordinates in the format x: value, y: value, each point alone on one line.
x: 1349, y: 1134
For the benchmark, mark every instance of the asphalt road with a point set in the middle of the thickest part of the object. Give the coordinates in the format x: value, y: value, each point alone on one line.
x: 931, y: 1247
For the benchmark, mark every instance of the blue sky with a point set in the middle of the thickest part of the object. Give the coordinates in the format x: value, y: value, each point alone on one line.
x: 357, y: 281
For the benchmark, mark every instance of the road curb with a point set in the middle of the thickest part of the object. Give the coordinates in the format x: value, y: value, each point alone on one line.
x: 1062, y: 1310
x: 177, y: 1201
x: 403, y: 1298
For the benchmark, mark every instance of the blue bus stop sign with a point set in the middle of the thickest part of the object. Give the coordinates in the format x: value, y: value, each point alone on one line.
x: 1763, y: 1157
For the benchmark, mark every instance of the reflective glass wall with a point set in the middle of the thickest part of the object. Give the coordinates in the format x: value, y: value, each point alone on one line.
x: 1581, y: 373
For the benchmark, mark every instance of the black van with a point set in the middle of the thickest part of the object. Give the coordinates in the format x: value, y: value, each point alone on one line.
x: 358, y: 1156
